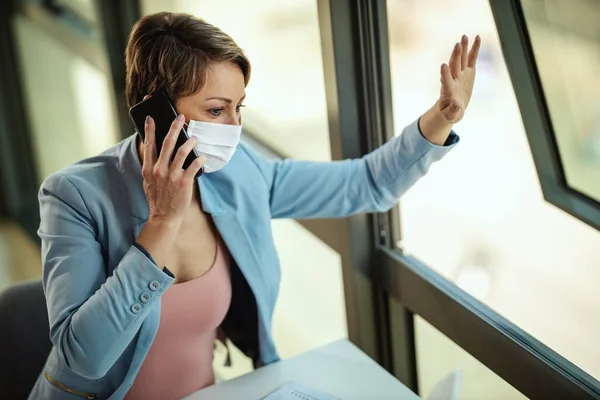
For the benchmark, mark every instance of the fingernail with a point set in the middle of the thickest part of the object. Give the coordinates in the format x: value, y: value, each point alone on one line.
x: 147, y: 119
x: 180, y: 117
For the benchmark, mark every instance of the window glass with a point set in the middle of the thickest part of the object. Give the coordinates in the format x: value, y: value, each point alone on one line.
x: 83, y: 9
x: 443, y: 366
x: 566, y: 46
x: 79, y: 17
x: 69, y: 102
x: 286, y: 106
x: 479, y: 218
x: 310, y: 311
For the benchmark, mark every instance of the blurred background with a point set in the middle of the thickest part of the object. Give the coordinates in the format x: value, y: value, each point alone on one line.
x: 478, y: 218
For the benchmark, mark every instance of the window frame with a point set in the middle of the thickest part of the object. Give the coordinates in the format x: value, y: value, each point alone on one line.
x: 103, y: 48
x: 515, y: 356
x: 359, y: 42
x: 518, y: 54
x: 17, y: 162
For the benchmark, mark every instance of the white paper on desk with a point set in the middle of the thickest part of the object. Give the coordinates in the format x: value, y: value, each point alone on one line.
x: 295, y: 391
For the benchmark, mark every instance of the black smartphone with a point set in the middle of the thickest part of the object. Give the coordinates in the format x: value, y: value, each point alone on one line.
x: 161, y: 109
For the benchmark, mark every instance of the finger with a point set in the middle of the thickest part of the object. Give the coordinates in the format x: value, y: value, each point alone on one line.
x: 446, y: 78
x: 166, y: 152
x: 464, y: 44
x: 149, y: 142
x: 191, y: 172
x: 455, y: 60
x: 183, y: 153
x: 472, y: 61
x: 146, y: 97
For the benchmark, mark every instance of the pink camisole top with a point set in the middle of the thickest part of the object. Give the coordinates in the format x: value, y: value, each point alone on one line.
x: 180, y: 359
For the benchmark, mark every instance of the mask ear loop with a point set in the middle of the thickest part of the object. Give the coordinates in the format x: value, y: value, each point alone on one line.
x: 202, y: 171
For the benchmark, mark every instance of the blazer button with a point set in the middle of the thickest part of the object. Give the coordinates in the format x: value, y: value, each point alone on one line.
x: 154, y: 286
x: 136, y: 308
x: 144, y: 297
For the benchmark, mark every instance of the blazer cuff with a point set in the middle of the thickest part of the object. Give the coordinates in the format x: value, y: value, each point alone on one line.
x: 451, y: 140
x: 149, y: 256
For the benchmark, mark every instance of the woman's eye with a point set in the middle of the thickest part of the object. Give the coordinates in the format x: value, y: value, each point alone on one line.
x: 215, y: 112
x: 239, y: 107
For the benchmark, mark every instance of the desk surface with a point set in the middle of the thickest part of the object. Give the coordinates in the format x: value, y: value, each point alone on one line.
x: 339, y: 369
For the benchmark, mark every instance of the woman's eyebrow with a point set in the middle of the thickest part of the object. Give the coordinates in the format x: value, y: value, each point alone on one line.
x: 225, y: 99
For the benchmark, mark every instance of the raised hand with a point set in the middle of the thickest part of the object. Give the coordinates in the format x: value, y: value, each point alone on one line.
x: 458, y: 78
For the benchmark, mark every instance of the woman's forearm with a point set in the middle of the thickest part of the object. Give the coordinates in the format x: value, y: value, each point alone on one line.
x: 434, y: 126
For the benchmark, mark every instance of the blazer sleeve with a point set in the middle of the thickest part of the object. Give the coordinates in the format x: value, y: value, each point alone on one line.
x: 373, y: 183
x: 93, y: 317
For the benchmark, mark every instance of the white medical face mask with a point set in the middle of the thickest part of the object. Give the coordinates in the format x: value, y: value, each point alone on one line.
x: 217, y: 142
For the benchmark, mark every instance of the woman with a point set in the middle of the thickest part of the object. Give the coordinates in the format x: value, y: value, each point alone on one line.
x: 144, y: 264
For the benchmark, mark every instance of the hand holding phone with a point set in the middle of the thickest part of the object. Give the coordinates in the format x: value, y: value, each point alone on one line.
x: 161, y: 109
x: 168, y: 188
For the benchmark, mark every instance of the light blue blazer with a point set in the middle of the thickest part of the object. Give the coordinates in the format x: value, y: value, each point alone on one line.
x: 103, y: 293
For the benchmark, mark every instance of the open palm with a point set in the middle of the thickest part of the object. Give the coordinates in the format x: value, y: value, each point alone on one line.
x: 458, y: 78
